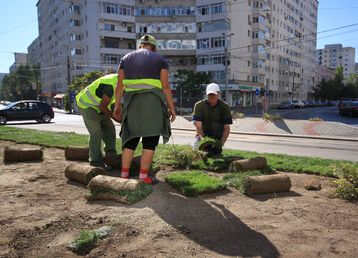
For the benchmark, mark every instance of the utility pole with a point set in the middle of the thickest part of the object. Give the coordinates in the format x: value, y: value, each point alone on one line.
x: 226, y: 69
x: 227, y: 37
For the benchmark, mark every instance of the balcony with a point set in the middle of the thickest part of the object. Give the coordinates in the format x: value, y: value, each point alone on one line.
x: 115, y: 51
x: 117, y: 34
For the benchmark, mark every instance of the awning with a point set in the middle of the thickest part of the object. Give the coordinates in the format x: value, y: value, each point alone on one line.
x: 59, y: 96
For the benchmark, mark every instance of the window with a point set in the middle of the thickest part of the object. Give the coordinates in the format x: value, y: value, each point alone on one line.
x: 111, y: 59
x: 109, y: 27
x: 204, y: 10
x: 217, y: 8
x: 203, y: 43
x: 76, y: 51
x: 75, y: 23
x: 218, y: 42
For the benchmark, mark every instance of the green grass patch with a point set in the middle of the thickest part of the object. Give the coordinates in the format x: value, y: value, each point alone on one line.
x: 130, y: 196
x: 239, y: 180
x: 182, y: 157
x: 194, y: 183
x: 85, y: 242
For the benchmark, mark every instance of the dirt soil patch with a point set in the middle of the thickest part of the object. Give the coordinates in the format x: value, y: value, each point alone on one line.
x: 41, y: 213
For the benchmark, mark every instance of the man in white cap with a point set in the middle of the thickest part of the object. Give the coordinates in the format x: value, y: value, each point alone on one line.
x: 212, y: 116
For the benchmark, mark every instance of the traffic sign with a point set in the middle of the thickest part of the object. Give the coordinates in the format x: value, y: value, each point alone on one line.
x: 257, y: 92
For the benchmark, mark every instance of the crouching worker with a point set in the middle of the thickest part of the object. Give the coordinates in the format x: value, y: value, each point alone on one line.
x: 94, y: 103
x: 147, y: 104
x: 212, y: 117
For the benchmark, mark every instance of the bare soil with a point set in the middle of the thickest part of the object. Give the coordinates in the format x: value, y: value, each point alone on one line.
x: 41, y: 212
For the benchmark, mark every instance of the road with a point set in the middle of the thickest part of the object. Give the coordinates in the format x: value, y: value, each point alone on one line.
x: 340, y: 150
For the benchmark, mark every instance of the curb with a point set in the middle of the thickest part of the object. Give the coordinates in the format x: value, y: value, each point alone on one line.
x: 282, y: 135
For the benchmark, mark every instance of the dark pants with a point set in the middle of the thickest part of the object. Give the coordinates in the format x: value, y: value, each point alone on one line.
x: 149, y: 143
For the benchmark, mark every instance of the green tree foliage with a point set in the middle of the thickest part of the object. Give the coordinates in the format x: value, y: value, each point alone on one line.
x: 190, y: 86
x: 82, y: 82
x: 22, y: 84
x: 336, y: 89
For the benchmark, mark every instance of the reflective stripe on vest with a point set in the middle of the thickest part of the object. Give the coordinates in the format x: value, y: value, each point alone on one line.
x: 141, y: 84
x: 87, y: 98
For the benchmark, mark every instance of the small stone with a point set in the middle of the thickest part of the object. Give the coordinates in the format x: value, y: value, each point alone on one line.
x: 313, y: 185
x: 103, y: 231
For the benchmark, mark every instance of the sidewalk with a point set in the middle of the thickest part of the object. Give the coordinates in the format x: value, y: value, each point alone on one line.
x: 289, y: 127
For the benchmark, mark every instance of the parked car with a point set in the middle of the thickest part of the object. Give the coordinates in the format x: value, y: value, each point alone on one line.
x: 349, y: 108
x: 26, y: 110
x: 298, y: 104
x: 285, y: 105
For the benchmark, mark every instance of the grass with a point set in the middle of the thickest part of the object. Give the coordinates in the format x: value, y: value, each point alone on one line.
x: 194, y: 183
x: 131, y: 196
x: 239, y: 180
x: 85, y: 242
x: 182, y: 157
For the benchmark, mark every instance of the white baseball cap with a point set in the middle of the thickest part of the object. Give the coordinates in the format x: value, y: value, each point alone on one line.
x: 212, y: 88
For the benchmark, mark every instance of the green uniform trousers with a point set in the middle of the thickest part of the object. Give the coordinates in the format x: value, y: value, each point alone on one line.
x: 100, y: 128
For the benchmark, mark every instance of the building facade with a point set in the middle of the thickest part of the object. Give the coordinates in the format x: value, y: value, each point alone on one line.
x: 20, y: 59
x: 335, y: 55
x: 271, y: 43
x: 254, y: 43
x: 34, y: 53
x: 324, y: 73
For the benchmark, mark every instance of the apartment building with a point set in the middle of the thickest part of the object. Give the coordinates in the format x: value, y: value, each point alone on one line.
x: 173, y: 24
x: 335, y: 55
x: 80, y: 36
x: 20, y: 59
x: 271, y: 44
x: 34, y: 53
x: 244, y: 45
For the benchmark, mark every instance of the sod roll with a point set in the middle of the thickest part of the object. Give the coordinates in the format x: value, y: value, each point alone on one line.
x: 82, y: 173
x: 115, y: 184
x: 12, y: 155
x: 77, y: 154
x: 116, y: 163
x: 248, y: 164
x: 267, y: 184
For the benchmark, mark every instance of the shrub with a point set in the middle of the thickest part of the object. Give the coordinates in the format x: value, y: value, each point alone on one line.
x: 271, y: 117
x: 347, y: 184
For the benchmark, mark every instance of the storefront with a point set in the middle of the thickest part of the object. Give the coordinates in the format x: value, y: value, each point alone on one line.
x: 242, y: 94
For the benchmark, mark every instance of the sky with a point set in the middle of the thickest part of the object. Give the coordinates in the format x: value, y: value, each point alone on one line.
x: 18, y: 26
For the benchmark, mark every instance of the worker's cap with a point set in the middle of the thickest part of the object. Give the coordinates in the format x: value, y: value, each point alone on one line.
x: 212, y: 88
x: 148, y: 39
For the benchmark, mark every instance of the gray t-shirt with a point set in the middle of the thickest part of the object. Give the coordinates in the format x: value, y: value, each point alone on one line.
x: 143, y: 64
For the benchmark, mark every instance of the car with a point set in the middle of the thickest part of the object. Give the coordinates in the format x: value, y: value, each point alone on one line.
x: 285, y: 105
x: 298, y: 104
x: 26, y: 110
x: 349, y: 108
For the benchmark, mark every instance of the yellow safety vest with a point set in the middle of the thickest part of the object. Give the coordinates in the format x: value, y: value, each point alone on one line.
x: 87, y: 97
x: 131, y: 85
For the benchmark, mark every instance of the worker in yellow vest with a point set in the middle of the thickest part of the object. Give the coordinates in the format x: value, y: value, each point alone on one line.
x: 147, y: 104
x: 94, y: 103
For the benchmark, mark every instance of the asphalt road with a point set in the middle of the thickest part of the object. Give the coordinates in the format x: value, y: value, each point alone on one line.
x: 340, y: 150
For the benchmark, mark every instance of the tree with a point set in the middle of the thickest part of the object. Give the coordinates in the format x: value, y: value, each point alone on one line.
x: 82, y: 82
x: 21, y: 84
x: 190, y: 86
x: 333, y: 89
